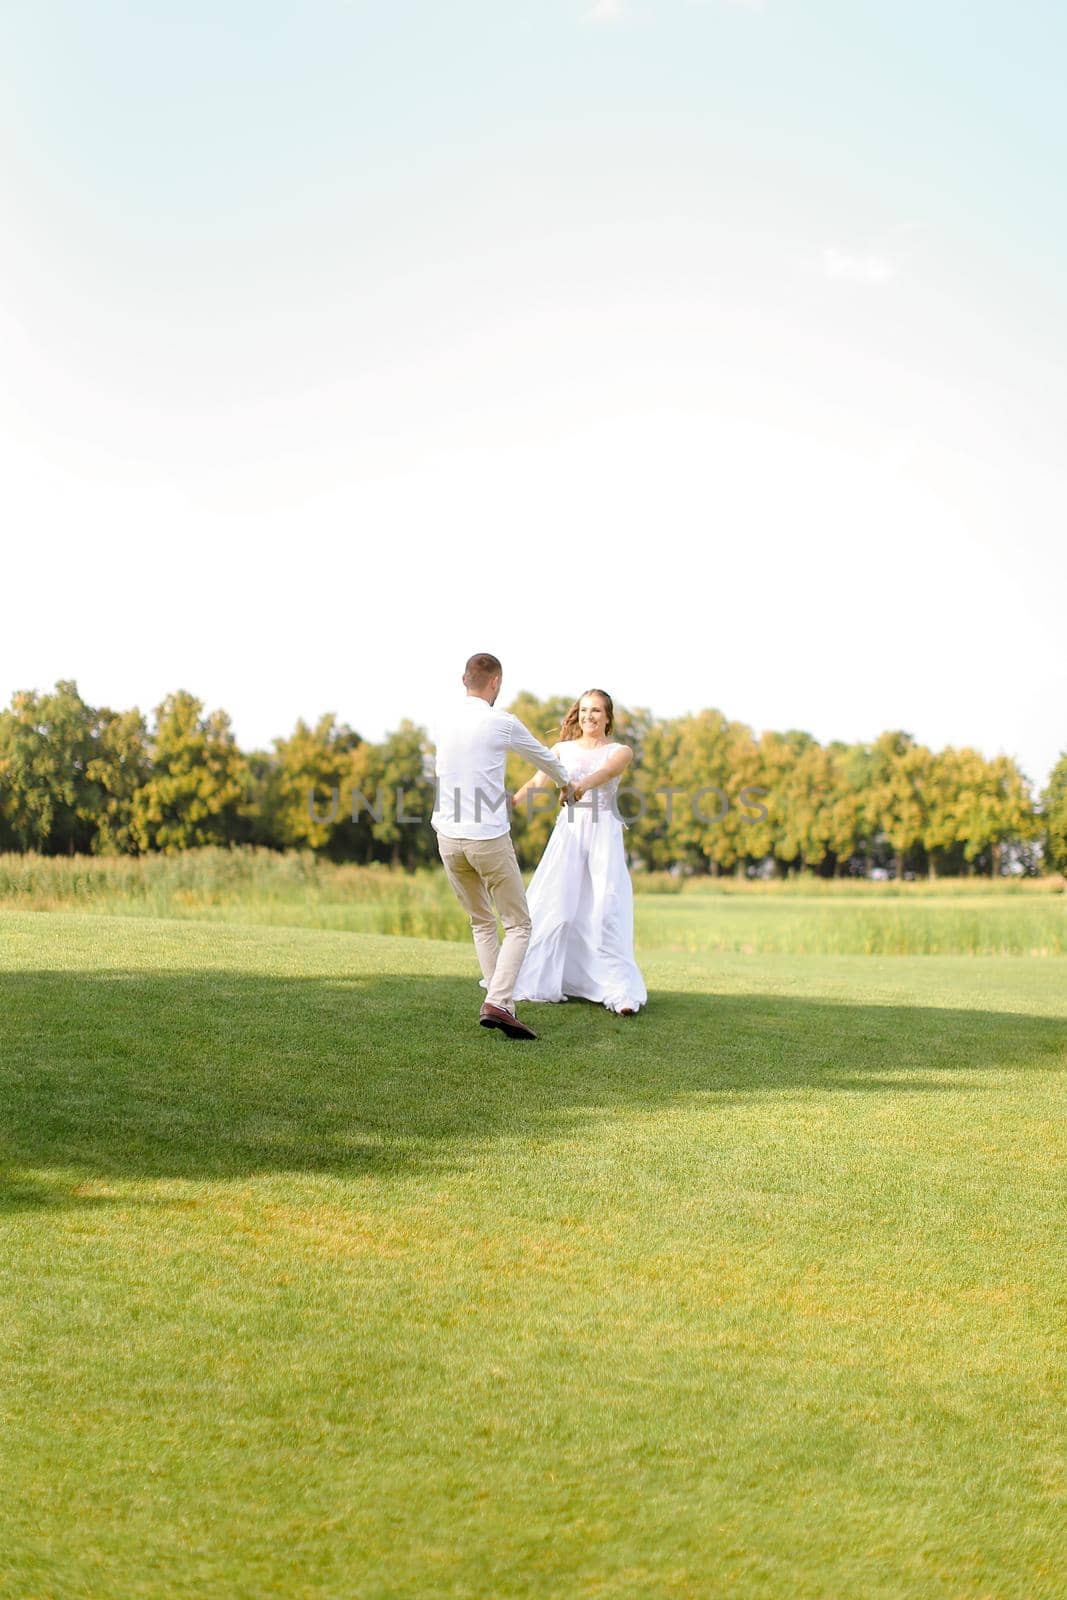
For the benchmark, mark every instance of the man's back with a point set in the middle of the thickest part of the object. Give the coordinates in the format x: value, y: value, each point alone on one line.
x: 473, y: 741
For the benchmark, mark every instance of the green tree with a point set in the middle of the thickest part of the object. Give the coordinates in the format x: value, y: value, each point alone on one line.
x: 897, y: 798
x: 1054, y: 817
x: 198, y: 782
x: 633, y: 724
x: 118, y: 770
x: 711, y: 762
x: 845, y: 808
x: 771, y: 766
x: 993, y: 804
x: 1015, y: 818
x: 648, y: 836
x: 395, y: 779
x: 736, y: 840
x: 765, y: 765
x: 953, y: 773
x: 259, y: 820
x: 308, y: 769
x: 733, y: 842
x: 47, y: 796
x: 810, y: 828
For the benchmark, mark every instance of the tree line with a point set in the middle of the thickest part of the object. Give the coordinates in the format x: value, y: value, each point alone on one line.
x: 78, y: 779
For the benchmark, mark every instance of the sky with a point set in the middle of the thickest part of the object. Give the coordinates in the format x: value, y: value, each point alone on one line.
x: 707, y: 351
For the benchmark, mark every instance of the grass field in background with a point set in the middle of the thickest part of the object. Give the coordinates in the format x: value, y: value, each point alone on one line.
x: 311, y: 1287
x: 806, y: 916
x: 867, y: 924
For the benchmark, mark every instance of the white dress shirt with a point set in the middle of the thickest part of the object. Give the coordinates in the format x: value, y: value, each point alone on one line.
x: 473, y: 741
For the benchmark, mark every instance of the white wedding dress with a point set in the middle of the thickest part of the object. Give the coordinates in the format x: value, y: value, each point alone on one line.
x: 581, y: 900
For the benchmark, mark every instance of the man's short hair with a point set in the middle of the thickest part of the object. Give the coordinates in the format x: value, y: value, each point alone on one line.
x: 480, y: 669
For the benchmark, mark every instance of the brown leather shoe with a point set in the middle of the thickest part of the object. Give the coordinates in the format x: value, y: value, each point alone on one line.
x: 496, y: 1017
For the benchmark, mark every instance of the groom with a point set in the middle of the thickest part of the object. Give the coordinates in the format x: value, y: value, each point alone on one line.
x: 473, y: 828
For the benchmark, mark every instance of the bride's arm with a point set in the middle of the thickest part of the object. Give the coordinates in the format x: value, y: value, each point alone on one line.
x: 617, y: 762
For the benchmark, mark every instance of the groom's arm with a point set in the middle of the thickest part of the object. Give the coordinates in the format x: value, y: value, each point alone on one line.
x: 524, y: 744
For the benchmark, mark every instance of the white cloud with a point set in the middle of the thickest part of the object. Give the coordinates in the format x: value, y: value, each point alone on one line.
x: 850, y: 266
x: 877, y: 261
x: 605, y: 11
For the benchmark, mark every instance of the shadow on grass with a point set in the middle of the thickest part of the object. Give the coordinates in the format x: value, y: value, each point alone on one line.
x: 214, y: 1075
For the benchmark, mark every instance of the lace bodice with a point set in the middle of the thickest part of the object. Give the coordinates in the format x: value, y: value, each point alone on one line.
x: 580, y: 763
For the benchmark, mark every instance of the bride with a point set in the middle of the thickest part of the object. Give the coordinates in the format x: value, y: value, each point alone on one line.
x: 580, y: 898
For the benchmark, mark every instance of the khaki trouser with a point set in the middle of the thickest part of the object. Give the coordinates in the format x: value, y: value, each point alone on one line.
x: 478, y: 869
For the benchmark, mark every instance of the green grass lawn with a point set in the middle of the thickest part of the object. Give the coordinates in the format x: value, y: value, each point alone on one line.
x: 311, y: 1287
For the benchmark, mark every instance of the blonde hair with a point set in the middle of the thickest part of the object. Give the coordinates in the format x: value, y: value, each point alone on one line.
x: 570, y: 727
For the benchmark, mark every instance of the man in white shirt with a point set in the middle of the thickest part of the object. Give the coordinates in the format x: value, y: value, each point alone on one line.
x: 473, y: 828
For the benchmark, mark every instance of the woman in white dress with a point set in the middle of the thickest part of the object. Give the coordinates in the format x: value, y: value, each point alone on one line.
x: 580, y: 898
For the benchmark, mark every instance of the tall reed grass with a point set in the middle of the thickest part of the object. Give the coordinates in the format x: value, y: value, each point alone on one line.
x: 816, y: 917
x: 238, y: 885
